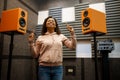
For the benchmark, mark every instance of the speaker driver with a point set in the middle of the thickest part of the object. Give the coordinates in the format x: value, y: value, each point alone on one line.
x: 85, y: 14
x: 22, y: 22
x: 86, y: 22
x: 23, y: 14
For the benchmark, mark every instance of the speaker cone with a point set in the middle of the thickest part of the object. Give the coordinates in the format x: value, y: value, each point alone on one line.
x: 86, y: 22
x: 22, y: 22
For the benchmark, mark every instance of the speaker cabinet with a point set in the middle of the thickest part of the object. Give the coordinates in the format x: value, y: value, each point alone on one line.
x: 14, y: 20
x: 93, y: 21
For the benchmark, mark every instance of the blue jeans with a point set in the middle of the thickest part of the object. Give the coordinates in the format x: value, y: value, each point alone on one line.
x: 50, y: 72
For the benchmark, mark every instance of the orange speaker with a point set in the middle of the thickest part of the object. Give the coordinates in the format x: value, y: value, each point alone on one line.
x: 93, y: 21
x: 14, y: 20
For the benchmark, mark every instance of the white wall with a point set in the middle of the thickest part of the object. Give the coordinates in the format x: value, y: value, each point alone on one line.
x: 98, y: 6
x: 68, y: 14
x: 116, y: 52
x: 83, y: 49
x: 41, y: 16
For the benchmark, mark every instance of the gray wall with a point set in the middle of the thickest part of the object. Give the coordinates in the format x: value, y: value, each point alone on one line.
x: 92, y: 1
x: 46, y: 4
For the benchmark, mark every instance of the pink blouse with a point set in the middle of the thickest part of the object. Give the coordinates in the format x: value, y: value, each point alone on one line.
x: 48, y: 48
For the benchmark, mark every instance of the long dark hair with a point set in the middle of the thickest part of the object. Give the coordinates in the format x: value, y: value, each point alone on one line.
x: 44, y: 28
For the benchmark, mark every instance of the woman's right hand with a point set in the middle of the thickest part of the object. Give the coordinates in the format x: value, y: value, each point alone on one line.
x: 31, y: 37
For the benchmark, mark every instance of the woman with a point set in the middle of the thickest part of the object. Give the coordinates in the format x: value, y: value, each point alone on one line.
x: 48, y: 49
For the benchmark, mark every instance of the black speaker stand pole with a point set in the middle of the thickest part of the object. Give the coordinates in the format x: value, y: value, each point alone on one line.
x: 105, y: 65
x: 10, y: 56
x: 95, y: 52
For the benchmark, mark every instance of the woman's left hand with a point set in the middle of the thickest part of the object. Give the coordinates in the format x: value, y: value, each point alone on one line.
x: 70, y: 28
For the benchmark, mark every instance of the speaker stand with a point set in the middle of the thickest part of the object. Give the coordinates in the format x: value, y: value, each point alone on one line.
x: 105, y: 65
x: 95, y: 52
x: 10, y: 56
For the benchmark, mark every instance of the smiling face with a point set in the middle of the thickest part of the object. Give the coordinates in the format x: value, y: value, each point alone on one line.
x: 51, y: 24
